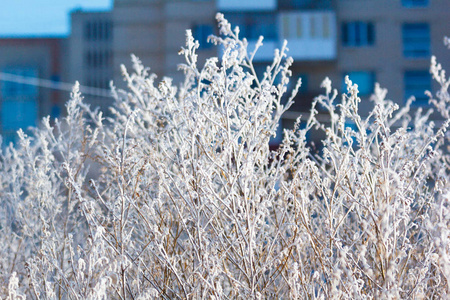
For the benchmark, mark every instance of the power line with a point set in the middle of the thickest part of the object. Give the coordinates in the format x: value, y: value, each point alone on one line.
x: 56, y: 85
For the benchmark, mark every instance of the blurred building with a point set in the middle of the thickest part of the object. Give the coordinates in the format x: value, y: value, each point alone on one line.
x: 90, y: 54
x: 23, y: 104
x: 154, y: 30
x: 391, y: 42
x: 310, y: 27
x: 385, y: 41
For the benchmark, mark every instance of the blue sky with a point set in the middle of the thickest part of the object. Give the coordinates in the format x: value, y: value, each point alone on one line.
x: 42, y: 17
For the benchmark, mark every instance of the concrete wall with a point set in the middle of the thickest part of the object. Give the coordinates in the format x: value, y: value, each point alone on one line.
x: 79, y: 47
x: 385, y: 57
x: 155, y: 32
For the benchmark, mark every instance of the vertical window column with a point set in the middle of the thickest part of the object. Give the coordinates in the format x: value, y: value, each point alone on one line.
x: 416, y: 83
x: 358, y: 34
x: 416, y: 40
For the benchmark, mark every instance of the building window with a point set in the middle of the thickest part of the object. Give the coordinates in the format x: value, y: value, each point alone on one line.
x: 358, y: 34
x: 95, y: 31
x: 253, y: 25
x: 55, y: 111
x: 255, y: 28
x: 416, y: 83
x: 98, y: 30
x: 87, y: 31
x: 87, y: 58
x: 305, y: 25
x: 296, y: 4
x: 416, y: 40
x: 16, y: 89
x: 415, y: 3
x: 97, y: 82
x: 304, y: 87
x: 108, y: 30
x: 98, y: 58
x: 19, y: 103
x: 260, y: 70
x: 201, y: 33
x: 365, y: 81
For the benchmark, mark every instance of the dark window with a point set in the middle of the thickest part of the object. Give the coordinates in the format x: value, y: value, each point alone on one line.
x: 304, y: 87
x: 88, y: 30
x: 416, y: 83
x: 98, y: 30
x: 106, y: 82
x: 415, y: 3
x: 201, y: 33
x: 358, y: 34
x: 94, y: 59
x: 55, y: 78
x: 107, y: 59
x: 253, y: 25
x: 260, y: 69
x: 302, y: 4
x: 416, y: 40
x: 97, y: 82
x: 108, y: 30
x: 256, y: 27
x: 98, y: 58
x: 56, y: 111
x: 364, y: 79
x: 88, y: 59
x: 94, y: 35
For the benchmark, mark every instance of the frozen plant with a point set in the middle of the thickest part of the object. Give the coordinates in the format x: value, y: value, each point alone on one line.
x: 177, y: 194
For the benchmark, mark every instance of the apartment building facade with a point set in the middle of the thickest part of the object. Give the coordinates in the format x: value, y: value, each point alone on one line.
x: 23, y: 104
x: 391, y: 42
x: 385, y: 41
x: 91, y: 55
x: 308, y: 26
x: 154, y: 30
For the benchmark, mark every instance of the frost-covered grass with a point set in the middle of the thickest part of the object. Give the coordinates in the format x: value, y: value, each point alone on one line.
x: 178, y: 195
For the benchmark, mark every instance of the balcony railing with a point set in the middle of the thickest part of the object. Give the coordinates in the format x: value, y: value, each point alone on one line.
x: 310, y: 35
x: 246, y: 5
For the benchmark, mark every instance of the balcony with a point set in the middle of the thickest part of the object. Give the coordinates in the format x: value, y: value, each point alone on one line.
x: 246, y: 5
x: 310, y: 35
